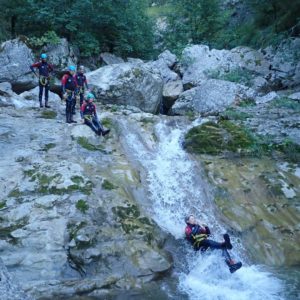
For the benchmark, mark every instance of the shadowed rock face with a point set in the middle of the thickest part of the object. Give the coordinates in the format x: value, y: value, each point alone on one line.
x: 69, y: 219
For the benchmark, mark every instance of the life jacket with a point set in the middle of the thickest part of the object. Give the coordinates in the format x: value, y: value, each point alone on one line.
x: 88, y: 109
x: 44, y: 69
x: 69, y: 82
x: 81, y: 79
x: 195, y: 234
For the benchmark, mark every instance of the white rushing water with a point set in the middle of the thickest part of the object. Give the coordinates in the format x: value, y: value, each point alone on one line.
x: 176, y: 189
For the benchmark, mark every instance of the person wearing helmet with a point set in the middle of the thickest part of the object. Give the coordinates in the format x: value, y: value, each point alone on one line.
x: 45, y: 69
x: 197, y: 235
x: 89, y: 116
x: 69, y: 90
x: 81, y: 83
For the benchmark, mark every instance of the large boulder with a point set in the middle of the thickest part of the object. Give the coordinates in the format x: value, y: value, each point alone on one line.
x: 211, y: 97
x: 110, y: 59
x: 284, y: 62
x: 15, y: 60
x: 169, y: 58
x: 171, y: 91
x: 264, y: 70
x: 61, y: 55
x: 127, y: 84
x: 172, y: 82
x: 199, y: 63
x: 163, y: 66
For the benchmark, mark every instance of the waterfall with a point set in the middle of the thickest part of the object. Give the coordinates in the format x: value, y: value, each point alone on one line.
x: 175, y: 189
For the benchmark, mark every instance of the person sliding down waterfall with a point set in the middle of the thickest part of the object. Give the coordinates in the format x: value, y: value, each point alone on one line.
x: 45, y: 70
x: 69, y: 90
x: 89, y: 116
x: 197, y: 235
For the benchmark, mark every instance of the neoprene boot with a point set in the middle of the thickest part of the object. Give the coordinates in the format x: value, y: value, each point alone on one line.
x: 71, y: 118
x: 41, y: 104
x: 227, y: 241
x: 105, y: 132
x: 46, y: 104
x: 235, y: 267
x: 68, y: 119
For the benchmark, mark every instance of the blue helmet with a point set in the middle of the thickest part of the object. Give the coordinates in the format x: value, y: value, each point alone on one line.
x: 43, y: 56
x: 90, y: 96
x: 72, y: 68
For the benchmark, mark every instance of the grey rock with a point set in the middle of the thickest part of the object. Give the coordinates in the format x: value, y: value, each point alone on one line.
x: 110, y: 59
x: 295, y: 96
x: 135, y: 60
x: 267, y: 98
x: 31, y: 97
x: 169, y: 58
x: 15, y: 60
x: 6, y: 89
x: 211, y: 97
x: 127, y: 84
x: 171, y: 92
x: 161, y: 68
x: 61, y: 55
x: 9, y: 287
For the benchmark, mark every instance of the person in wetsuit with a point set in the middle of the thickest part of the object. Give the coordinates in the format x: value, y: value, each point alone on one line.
x: 45, y: 69
x: 197, y: 235
x: 89, y: 116
x: 69, y: 90
x: 81, y: 83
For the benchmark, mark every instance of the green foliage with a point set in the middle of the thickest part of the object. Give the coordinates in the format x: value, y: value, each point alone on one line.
x: 2, y: 204
x: 107, y: 185
x: 49, y: 38
x: 116, y: 26
x: 82, y: 206
x: 196, y: 22
x: 49, y: 146
x: 212, y: 138
x: 233, y: 114
x: 290, y: 150
x: 84, y: 143
x: 48, y: 114
x: 286, y: 103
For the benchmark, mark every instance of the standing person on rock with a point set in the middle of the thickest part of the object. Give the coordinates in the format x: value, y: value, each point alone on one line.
x: 81, y: 83
x: 198, y: 235
x: 69, y: 90
x: 89, y: 116
x: 45, y: 69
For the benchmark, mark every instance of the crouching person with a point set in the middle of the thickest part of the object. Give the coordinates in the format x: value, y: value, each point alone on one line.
x: 89, y: 116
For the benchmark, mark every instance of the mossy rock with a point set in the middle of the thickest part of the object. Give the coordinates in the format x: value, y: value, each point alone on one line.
x: 84, y: 143
x: 131, y: 220
x: 49, y: 146
x: 49, y: 114
x: 234, y: 114
x: 213, y: 138
x: 2, y: 204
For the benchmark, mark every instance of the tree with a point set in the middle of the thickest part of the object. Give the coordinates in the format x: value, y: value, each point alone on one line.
x: 112, y: 25
x: 195, y: 21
